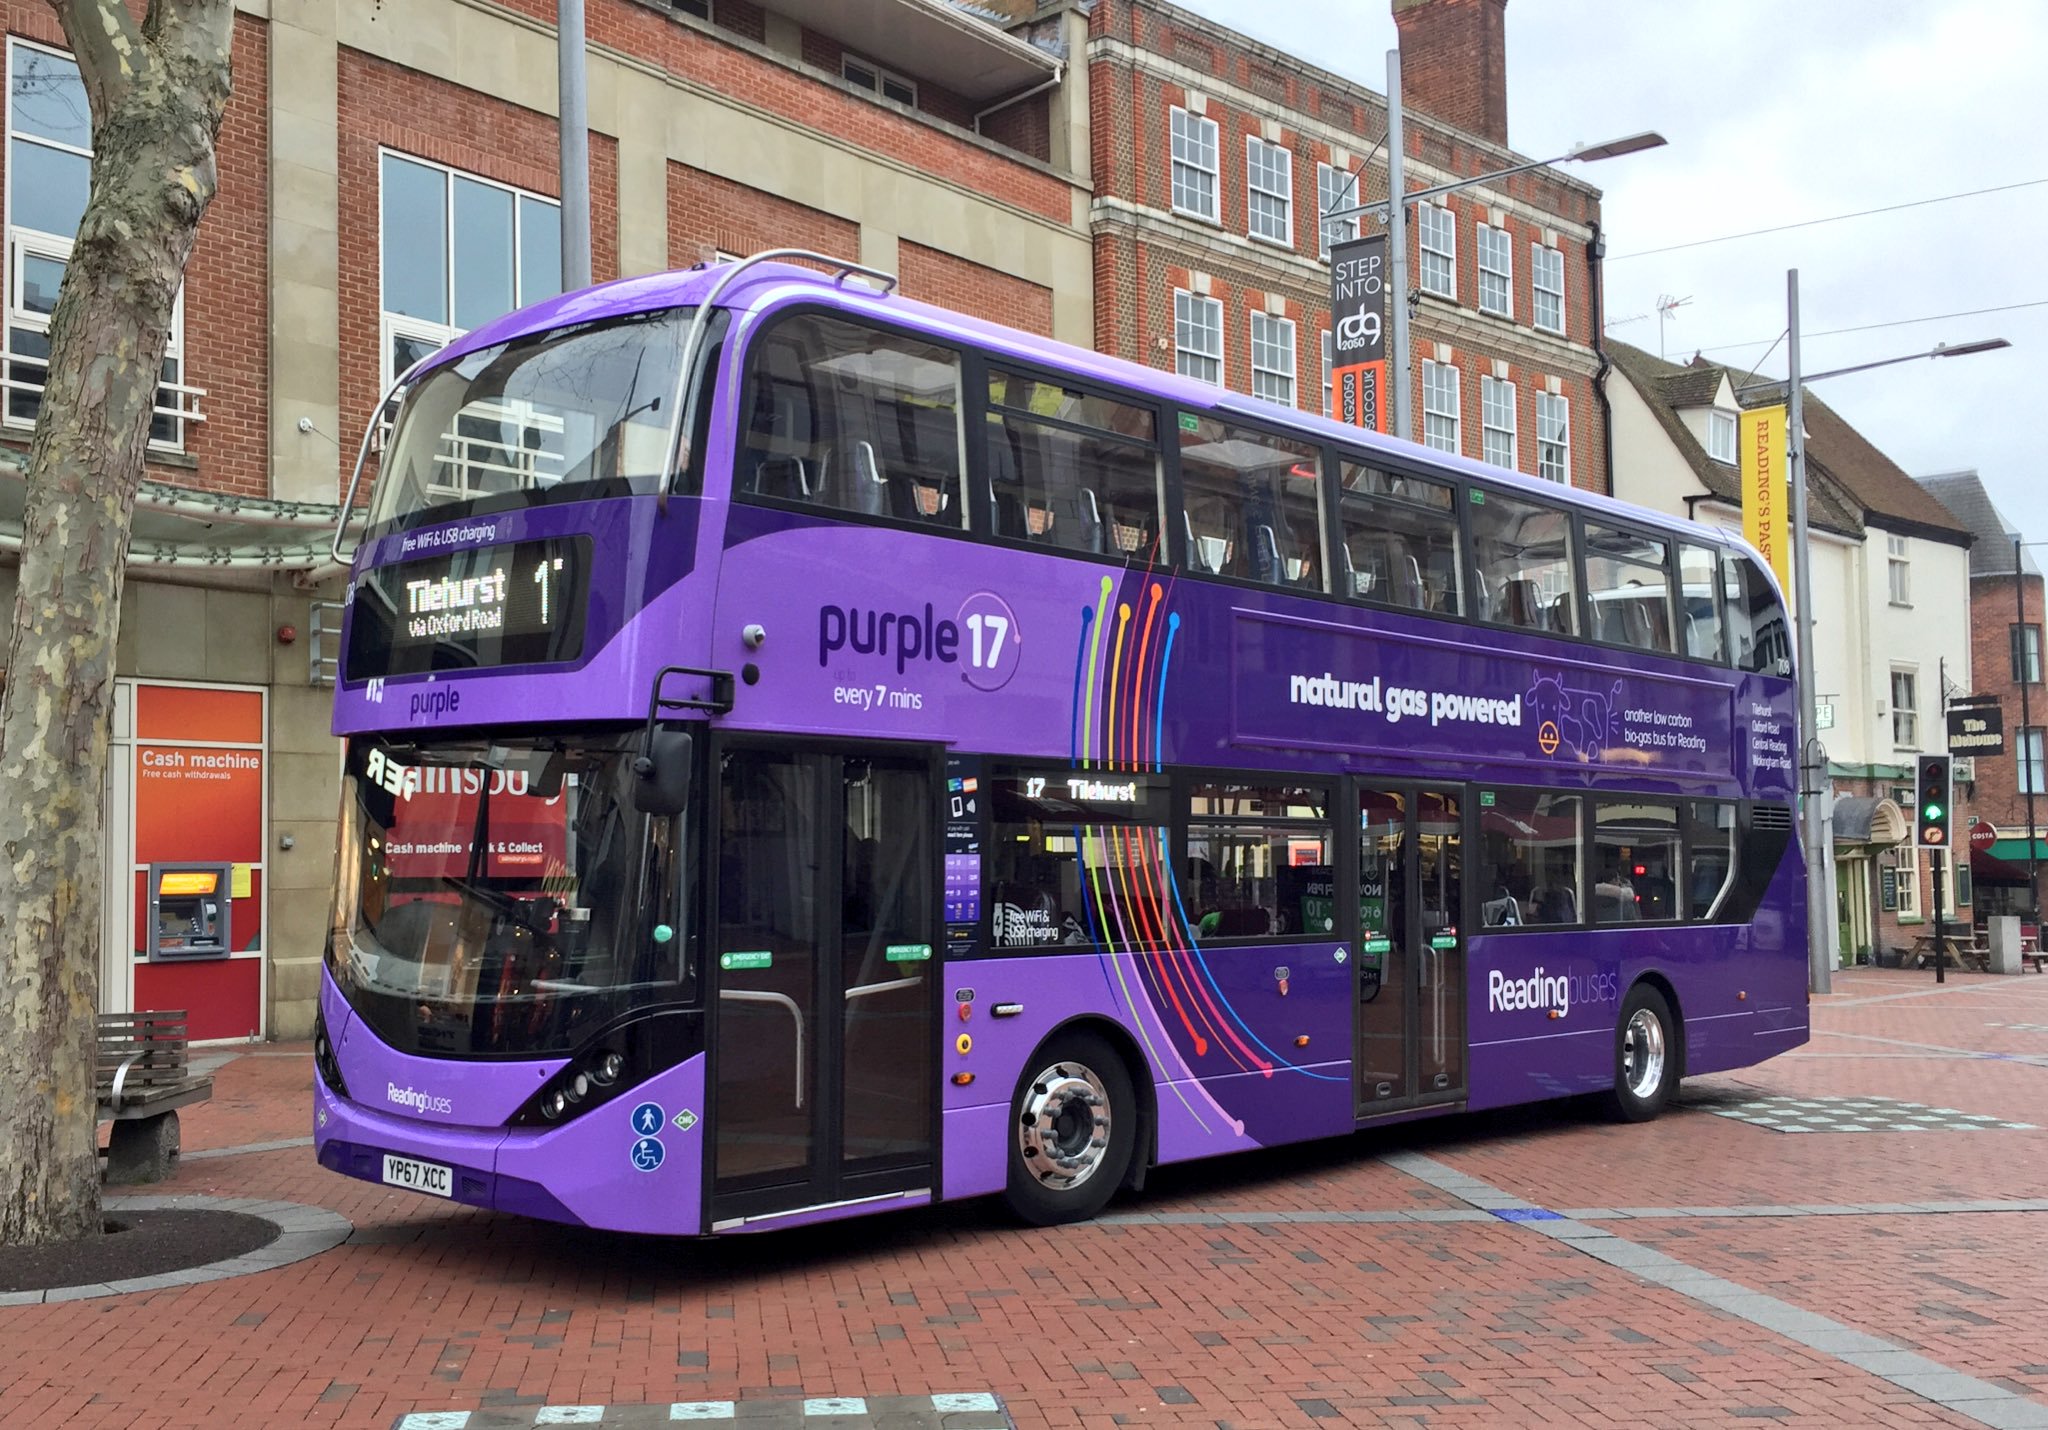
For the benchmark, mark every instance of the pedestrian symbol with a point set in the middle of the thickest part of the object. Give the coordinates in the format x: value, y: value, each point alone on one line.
x: 647, y: 1153
x: 647, y: 1118
x: 686, y: 1119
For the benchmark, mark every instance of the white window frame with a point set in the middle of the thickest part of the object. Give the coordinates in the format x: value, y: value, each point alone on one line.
x: 884, y: 78
x: 1905, y: 714
x: 1898, y: 575
x: 1546, y: 280
x: 177, y: 402
x: 1191, y: 138
x: 1497, y: 264
x: 1278, y: 382
x: 1335, y: 188
x: 1909, y: 881
x: 1497, y: 441
x: 1721, y: 436
x: 1329, y: 376
x: 1194, y: 313
x: 1436, y: 235
x: 1554, y: 438
x: 2032, y: 761
x: 1275, y: 163
x: 394, y: 325
x: 1440, y: 424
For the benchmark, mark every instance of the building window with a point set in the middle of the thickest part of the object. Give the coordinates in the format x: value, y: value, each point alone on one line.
x: 1554, y: 437
x: 1273, y: 359
x: 458, y: 251
x: 2026, y: 654
x: 49, y: 175
x: 1198, y: 337
x: 1335, y: 189
x: 2033, y: 765
x: 1496, y: 272
x: 1437, y: 232
x: 1497, y: 421
x: 1329, y: 384
x: 864, y: 74
x: 1721, y: 436
x: 1194, y: 165
x: 1269, y: 190
x: 1906, y: 709
x: 1439, y: 406
x: 1898, y: 571
x: 1909, y: 881
x: 1546, y: 284
x: 700, y: 9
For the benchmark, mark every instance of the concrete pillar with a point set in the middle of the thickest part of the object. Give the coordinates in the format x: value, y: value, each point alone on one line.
x: 305, y: 259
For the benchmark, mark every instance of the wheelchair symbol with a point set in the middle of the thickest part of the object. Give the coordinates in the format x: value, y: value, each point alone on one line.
x: 647, y: 1154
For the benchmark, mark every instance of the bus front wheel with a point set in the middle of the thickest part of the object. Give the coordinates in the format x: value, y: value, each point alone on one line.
x: 1074, y: 1125
x: 1645, y: 1056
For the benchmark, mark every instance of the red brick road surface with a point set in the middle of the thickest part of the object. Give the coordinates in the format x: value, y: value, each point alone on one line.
x: 1195, y: 1303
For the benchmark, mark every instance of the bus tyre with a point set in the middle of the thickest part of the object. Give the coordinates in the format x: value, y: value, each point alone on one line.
x: 1645, y: 1056
x: 1073, y: 1126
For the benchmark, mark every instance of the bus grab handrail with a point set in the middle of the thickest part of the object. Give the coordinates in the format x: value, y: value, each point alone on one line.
x: 700, y: 321
x: 762, y: 995
x: 348, y: 501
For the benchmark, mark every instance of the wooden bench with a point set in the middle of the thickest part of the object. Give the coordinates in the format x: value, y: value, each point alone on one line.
x: 140, y: 1081
x: 2032, y: 958
x: 1964, y: 952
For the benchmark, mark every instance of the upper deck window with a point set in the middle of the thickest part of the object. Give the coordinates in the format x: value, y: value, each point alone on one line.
x: 1069, y: 469
x: 1759, y: 639
x: 1628, y: 585
x: 1523, y: 551
x: 1400, y: 541
x: 575, y: 413
x: 1252, y: 504
x: 854, y: 418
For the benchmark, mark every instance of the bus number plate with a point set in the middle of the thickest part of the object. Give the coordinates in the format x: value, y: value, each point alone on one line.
x: 418, y: 1176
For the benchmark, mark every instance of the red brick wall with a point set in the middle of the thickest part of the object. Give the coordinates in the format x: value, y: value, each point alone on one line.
x: 934, y: 277
x: 227, y: 279
x: 1994, y: 611
x: 385, y: 106
x: 1454, y: 62
x: 704, y: 208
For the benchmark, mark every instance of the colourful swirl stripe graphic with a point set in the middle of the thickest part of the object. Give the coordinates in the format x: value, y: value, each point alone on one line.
x: 1131, y: 894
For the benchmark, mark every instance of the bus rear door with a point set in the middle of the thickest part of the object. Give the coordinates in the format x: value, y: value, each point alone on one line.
x: 1410, y: 947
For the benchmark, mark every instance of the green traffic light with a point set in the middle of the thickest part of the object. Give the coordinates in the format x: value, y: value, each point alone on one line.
x: 1933, y: 811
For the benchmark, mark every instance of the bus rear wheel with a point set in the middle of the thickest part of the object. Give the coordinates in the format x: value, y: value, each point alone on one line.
x: 1074, y: 1125
x: 1645, y: 1056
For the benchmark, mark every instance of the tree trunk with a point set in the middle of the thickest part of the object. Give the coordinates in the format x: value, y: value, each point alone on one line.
x: 157, y: 91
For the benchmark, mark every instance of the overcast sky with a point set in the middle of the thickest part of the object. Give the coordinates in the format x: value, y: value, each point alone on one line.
x: 1776, y: 113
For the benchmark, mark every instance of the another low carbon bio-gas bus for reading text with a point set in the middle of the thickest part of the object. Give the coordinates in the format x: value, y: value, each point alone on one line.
x: 811, y: 753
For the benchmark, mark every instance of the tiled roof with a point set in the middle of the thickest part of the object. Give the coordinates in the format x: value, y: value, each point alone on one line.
x: 1828, y: 506
x: 1881, y: 491
x: 1964, y: 495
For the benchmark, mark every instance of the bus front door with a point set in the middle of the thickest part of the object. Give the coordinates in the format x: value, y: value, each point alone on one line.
x: 1411, y: 948
x: 824, y: 971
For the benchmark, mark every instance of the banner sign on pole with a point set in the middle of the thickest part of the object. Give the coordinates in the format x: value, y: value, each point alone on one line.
x: 1765, y: 524
x: 1358, y: 343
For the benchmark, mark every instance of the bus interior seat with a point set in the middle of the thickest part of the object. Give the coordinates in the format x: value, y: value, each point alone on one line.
x: 1410, y: 588
x: 1005, y: 505
x: 785, y: 477
x: 1521, y: 604
x: 1266, y: 563
x: 853, y: 480
x: 1558, y: 616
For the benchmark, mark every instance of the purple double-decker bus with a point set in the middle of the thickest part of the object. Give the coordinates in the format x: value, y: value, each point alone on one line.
x: 811, y: 753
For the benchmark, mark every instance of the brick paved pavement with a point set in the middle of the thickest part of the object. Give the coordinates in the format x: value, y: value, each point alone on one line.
x: 1418, y: 1276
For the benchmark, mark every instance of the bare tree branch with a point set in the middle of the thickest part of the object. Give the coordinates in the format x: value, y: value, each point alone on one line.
x: 110, y: 49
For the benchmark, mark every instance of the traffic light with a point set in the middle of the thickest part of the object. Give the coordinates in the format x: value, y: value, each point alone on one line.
x: 1931, y: 803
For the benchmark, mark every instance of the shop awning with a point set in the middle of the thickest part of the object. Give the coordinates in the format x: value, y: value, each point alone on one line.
x: 1866, y: 819
x: 2005, y: 862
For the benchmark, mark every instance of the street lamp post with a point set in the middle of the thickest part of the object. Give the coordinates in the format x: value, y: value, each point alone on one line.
x: 1397, y: 222
x: 1817, y: 812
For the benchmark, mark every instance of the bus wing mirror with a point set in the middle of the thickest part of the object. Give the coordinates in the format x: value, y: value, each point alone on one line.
x: 661, y: 784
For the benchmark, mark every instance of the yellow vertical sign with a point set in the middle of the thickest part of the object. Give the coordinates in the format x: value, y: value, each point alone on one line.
x: 1765, y: 522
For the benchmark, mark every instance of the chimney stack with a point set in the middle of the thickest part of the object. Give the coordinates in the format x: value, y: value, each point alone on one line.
x: 1454, y: 63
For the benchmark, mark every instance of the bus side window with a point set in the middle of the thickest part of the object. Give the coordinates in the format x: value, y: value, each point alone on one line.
x: 1762, y: 642
x: 1399, y: 543
x: 1069, y: 469
x: 1699, y: 615
x: 1628, y: 587
x: 1252, y: 504
x: 855, y: 419
x: 1523, y: 553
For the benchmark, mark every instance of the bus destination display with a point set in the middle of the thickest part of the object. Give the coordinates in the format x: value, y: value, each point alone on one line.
x: 516, y: 604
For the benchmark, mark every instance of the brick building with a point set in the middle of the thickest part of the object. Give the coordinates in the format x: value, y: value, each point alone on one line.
x: 1214, y: 157
x: 388, y: 180
x: 2005, y: 654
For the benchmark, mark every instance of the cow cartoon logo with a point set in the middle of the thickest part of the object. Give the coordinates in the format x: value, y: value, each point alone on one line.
x: 1577, y: 724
